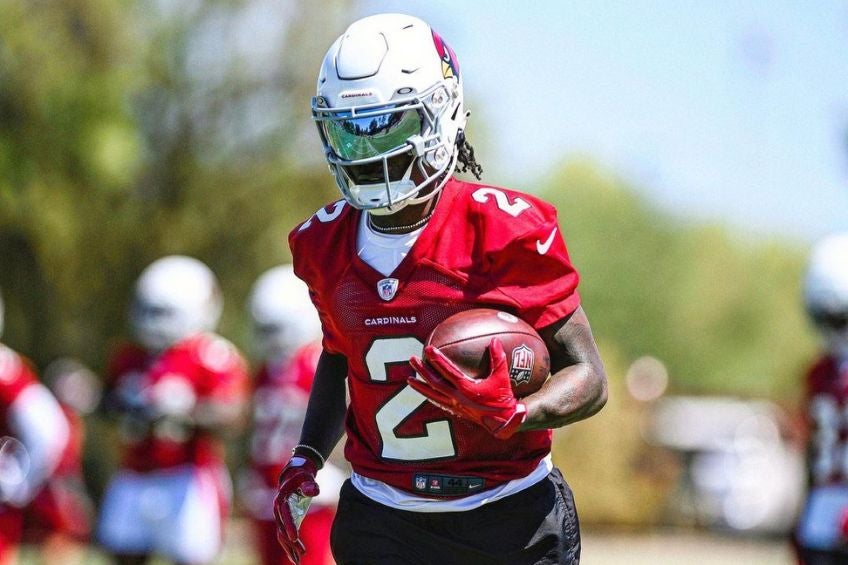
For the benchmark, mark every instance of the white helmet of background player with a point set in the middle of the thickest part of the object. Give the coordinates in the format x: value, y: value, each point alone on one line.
x: 283, y: 316
x: 826, y: 291
x: 175, y: 297
x: 390, y: 112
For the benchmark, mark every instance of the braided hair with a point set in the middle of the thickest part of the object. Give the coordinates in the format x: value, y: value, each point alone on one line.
x: 465, y: 161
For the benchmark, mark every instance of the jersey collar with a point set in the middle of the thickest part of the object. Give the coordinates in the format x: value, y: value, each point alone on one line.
x: 425, y: 242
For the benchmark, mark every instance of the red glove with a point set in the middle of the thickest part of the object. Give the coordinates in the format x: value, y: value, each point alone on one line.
x: 297, y: 481
x: 488, y: 401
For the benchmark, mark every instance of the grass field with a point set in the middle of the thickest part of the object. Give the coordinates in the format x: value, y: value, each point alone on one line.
x: 662, y: 547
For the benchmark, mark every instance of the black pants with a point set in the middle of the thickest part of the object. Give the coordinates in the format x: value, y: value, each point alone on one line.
x: 815, y: 557
x: 535, y: 526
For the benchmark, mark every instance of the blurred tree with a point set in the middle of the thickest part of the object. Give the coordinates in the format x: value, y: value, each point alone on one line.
x: 722, y: 312
x: 132, y: 129
x: 129, y: 130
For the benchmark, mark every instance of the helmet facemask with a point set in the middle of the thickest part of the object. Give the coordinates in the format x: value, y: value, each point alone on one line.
x: 832, y: 324
x: 385, y: 155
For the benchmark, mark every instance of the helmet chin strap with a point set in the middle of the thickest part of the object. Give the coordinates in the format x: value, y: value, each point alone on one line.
x: 414, y: 201
x: 389, y: 210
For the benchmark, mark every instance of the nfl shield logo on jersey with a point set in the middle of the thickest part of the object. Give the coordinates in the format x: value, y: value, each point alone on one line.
x: 387, y: 288
x: 521, y: 365
x: 420, y: 482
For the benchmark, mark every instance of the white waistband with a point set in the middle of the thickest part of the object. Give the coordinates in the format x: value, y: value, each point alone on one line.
x: 402, y: 500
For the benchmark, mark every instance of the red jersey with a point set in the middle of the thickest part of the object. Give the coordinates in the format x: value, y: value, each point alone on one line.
x: 280, y: 396
x: 160, y: 397
x: 483, y: 247
x: 15, y: 375
x: 827, y: 416
x: 38, y: 412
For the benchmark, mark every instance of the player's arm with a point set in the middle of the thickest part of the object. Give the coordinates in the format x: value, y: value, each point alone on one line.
x: 322, y: 429
x: 37, y: 421
x: 225, y: 418
x: 325, y: 414
x: 577, y: 387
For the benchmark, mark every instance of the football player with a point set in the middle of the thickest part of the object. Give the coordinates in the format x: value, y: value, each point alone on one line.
x: 446, y: 469
x: 286, y: 335
x: 34, y: 434
x: 175, y: 392
x: 59, y: 518
x: 821, y: 535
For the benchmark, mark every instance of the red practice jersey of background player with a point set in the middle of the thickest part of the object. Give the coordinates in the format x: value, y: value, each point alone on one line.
x: 280, y: 398
x: 483, y: 247
x: 63, y: 506
x: 279, y: 405
x: 206, y: 365
x: 16, y: 376
x: 827, y: 395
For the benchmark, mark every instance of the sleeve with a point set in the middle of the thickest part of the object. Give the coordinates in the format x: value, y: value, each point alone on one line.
x: 227, y: 380
x: 306, y: 271
x: 532, y: 268
x: 38, y: 421
x: 15, y: 376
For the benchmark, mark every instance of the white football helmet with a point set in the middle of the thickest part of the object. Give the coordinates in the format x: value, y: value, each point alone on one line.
x: 826, y: 291
x: 389, y: 110
x: 283, y: 316
x: 175, y: 297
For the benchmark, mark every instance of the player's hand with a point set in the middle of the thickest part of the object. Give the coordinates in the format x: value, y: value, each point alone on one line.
x: 297, y: 485
x: 488, y: 401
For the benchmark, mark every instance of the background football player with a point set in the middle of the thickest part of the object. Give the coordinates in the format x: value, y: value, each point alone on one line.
x: 59, y: 519
x: 409, y: 246
x: 286, y: 336
x: 175, y: 391
x: 822, y: 531
x: 34, y: 434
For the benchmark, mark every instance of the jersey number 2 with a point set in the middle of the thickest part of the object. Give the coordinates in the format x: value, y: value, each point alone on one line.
x: 513, y: 208
x: 437, y: 441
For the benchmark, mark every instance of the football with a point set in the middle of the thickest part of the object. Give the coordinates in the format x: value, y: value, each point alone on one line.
x: 464, y: 339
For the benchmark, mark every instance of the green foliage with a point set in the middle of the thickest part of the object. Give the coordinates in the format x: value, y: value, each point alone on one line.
x: 130, y: 130
x: 723, y: 312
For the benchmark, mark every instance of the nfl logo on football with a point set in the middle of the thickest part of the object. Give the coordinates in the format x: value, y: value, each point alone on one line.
x: 387, y: 288
x: 522, y: 364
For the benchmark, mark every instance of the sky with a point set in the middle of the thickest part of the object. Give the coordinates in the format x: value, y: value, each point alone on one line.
x: 724, y: 112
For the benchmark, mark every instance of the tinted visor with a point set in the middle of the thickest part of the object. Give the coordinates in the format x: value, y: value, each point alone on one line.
x: 370, y: 136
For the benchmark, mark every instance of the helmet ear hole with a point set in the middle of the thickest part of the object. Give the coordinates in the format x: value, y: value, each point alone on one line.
x: 438, y: 158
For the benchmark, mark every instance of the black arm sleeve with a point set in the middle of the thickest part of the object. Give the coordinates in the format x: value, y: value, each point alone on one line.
x: 325, y: 414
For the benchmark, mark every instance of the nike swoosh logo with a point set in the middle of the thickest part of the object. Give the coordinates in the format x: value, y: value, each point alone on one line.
x: 542, y: 248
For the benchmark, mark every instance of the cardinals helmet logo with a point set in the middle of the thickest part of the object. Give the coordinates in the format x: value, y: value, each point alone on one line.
x: 450, y: 65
